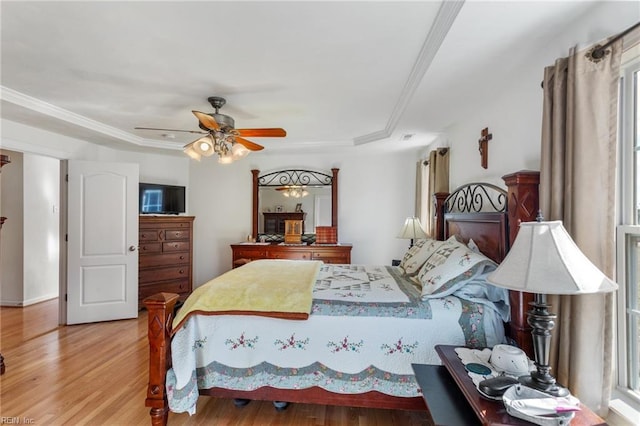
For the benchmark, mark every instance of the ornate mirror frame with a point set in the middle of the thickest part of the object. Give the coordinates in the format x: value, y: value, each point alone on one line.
x: 294, y: 177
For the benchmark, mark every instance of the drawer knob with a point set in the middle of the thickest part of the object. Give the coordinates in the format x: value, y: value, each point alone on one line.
x: 181, y: 271
x: 181, y: 257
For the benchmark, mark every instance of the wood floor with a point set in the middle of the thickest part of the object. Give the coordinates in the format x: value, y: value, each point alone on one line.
x: 96, y: 374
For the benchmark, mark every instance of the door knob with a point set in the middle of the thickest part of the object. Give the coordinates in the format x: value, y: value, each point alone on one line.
x: 132, y: 248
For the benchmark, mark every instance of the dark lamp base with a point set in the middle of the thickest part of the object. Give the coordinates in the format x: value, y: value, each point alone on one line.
x: 552, y: 389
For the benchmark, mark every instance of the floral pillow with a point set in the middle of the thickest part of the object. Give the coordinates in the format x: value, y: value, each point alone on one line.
x: 417, y: 255
x: 450, y: 267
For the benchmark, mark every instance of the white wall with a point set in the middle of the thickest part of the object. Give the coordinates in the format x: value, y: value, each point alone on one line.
x: 41, y: 228
x: 514, y: 111
x: 30, y: 236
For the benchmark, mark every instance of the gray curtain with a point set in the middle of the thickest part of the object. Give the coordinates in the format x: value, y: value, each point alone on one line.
x: 577, y: 186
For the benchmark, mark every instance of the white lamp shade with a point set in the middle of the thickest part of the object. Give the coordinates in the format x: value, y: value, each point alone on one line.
x: 225, y: 159
x: 204, y: 146
x: 412, y: 229
x: 238, y: 150
x: 192, y: 152
x: 544, y: 259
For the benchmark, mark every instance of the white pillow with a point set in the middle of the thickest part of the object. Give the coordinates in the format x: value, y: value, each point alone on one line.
x: 417, y: 255
x: 473, y: 246
x: 450, y: 267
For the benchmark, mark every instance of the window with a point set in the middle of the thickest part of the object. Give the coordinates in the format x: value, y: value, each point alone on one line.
x: 628, y: 241
x: 152, y: 200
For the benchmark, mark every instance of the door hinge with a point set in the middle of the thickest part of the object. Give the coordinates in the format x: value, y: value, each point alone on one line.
x: 66, y: 237
x: 65, y: 297
x: 66, y: 177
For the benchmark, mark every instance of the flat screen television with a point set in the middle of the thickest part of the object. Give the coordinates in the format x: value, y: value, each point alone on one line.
x: 161, y: 199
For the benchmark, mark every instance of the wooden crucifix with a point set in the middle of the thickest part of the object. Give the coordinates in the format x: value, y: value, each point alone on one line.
x: 483, y: 147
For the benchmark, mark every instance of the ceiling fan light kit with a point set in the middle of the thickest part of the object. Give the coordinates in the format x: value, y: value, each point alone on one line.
x: 204, y: 146
x: 293, y: 191
x: 191, y: 152
x: 222, y: 137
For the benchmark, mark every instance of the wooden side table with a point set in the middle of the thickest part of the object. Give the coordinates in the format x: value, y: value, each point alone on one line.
x: 493, y: 412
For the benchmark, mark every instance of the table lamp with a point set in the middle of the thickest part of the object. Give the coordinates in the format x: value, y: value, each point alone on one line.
x: 411, y: 230
x: 545, y: 260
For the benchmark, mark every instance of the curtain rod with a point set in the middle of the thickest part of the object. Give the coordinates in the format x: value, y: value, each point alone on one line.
x: 599, y: 51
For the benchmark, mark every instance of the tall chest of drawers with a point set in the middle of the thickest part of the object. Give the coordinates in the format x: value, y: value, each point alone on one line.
x: 165, y: 256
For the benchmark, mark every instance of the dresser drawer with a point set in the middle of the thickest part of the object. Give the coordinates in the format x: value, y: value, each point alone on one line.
x: 176, y: 286
x: 329, y: 255
x: 296, y: 255
x: 162, y: 274
x: 335, y: 260
x: 175, y: 246
x: 148, y: 235
x: 186, y: 224
x: 150, y: 248
x: 177, y: 234
x: 146, y: 261
x: 250, y: 254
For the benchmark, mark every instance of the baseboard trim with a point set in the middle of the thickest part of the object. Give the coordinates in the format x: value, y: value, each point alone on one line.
x: 29, y: 302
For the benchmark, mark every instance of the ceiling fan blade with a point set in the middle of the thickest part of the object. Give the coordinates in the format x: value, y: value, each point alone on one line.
x: 206, y: 120
x: 252, y: 146
x: 171, y: 130
x: 268, y: 133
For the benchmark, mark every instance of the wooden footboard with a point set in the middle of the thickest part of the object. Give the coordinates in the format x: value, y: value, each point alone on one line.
x: 160, y: 307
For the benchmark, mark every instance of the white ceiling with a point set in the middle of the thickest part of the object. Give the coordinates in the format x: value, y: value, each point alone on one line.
x: 332, y: 74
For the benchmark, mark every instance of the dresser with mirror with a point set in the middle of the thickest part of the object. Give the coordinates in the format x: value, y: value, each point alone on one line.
x: 306, y: 195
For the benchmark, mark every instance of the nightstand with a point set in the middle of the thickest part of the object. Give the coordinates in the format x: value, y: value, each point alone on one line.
x: 493, y: 412
x: 445, y: 402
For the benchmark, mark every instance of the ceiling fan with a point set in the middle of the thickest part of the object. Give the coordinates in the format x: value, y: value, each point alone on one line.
x: 294, y: 191
x: 221, y: 137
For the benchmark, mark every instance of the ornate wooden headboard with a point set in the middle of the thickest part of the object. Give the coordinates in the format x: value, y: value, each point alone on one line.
x: 491, y: 217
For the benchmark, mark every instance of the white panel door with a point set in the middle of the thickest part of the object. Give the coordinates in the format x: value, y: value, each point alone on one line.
x: 102, y: 247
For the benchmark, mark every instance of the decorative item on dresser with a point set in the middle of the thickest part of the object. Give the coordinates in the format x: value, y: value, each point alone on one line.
x: 165, y: 256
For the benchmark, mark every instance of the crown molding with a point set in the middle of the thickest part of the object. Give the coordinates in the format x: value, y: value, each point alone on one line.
x: 50, y: 110
x: 441, y: 25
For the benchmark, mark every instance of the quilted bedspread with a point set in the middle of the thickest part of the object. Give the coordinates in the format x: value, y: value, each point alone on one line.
x: 368, y: 324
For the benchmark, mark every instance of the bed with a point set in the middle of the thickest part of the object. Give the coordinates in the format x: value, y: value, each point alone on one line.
x: 331, y: 356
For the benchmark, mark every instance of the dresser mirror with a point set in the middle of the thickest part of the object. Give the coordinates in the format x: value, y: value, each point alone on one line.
x: 293, y: 194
